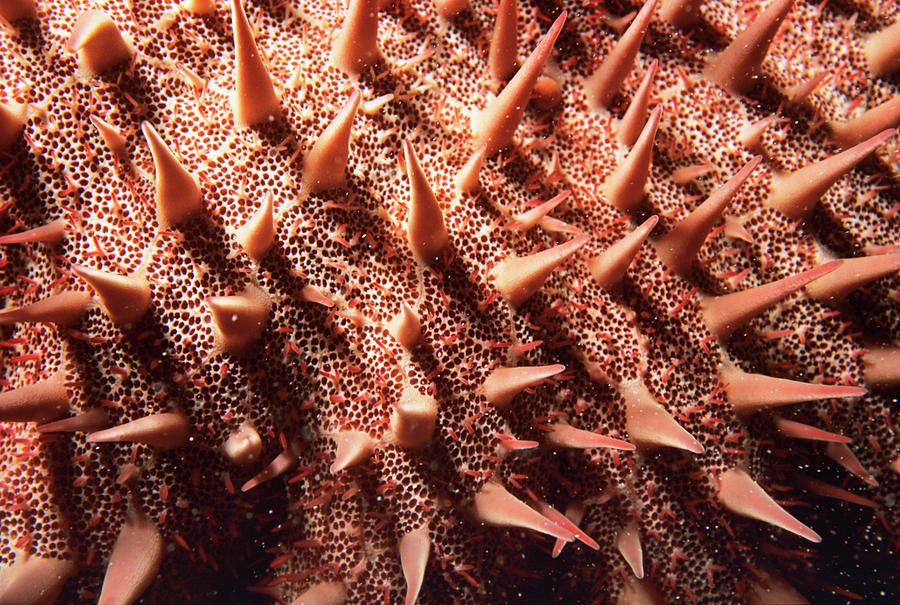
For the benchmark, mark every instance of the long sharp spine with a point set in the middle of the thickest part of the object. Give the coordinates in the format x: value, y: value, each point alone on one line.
x: 165, y: 431
x: 628, y: 542
x: 356, y: 46
x: 257, y: 235
x: 518, y: 279
x: 629, y: 129
x: 495, y: 126
x: 64, y: 309
x: 425, y: 230
x: 353, y: 447
x: 796, y: 193
x: 134, y: 562
x: 602, y: 86
x: 40, y: 401
x: 736, y: 67
x: 742, y: 495
x: 843, y: 455
x: 494, y: 505
x: 624, y: 188
x: 326, y: 163
x: 609, y: 267
x: 882, y: 50
x: 679, y: 247
x: 868, y: 124
x: 414, y: 546
x: 565, y: 435
x: 125, y: 298
x: 503, y: 383
x: 254, y: 100
x: 52, y: 233
x: 503, y: 53
x: 852, y: 274
x: 178, y: 196
x: 751, y: 392
x: 726, y: 313
x: 650, y: 426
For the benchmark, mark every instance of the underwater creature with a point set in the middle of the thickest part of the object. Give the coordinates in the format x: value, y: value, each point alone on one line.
x: 375, y: 301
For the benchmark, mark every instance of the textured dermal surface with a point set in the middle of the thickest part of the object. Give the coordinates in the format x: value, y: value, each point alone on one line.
x: 289, y: 317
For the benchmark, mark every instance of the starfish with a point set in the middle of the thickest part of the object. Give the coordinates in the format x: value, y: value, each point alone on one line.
x: 477, y: 302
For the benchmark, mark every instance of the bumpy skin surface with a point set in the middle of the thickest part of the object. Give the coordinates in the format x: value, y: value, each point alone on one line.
x: 317, y: 370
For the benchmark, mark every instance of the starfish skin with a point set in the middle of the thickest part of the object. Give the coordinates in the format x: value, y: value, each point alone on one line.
x: 301, y: 378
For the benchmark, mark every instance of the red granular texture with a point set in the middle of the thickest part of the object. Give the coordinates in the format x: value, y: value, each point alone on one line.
x: 317, y: 370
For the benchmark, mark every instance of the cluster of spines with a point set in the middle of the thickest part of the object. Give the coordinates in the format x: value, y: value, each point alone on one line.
x: 239, y: 320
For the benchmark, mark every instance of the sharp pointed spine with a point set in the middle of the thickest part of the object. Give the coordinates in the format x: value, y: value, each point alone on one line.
x: 650, y: 426
x: 92, y: 420
x: 111, y: 136
x: 624, y: 188
x: 629, y: 128
x: 831, y: 491
x: 726, y: 313
x: 64, y: 309
x: 628, y: 542
x: 257, y: 235
x: 466, y: 180
x: 134, y: 562
x: 413, y: 419
x: 406, y: 327
x: 751, y: 135
x: 798, y: 430
x: 125, y: 298
x: 38, y: 402
x: 178, y: 195
x: 425, y: 229
x: 566, y: 523
x: 165, y: 431
x: 503, y: 53
x: 868, y: 124
x: 527, y: 220
x: 881, y: 367
x: 796, y: 194
x: 503, y: 384
x: 851, y: 275
x: 239, y: 320
x: 751, y: 392
x: 325, y: 165
x: 736, y: 67
x: 254, y: 100
x: 517, y: 279
x: 356, y: 46
x: 353, y: 447
x: 415, y: 546
x: 609, y: 267
x: 243, y: 446
x: 281, y: 464
x: 843, y: 455
x: 882, y: 50
x: 495, y: 126
x: 742, y: 495
x: 494, y: 505
x: 800, y: 92
x: 566, y: 435
x: 97, y: 42
x: 679, y: 247
x: 52, y: 233
x: 604, y: 83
